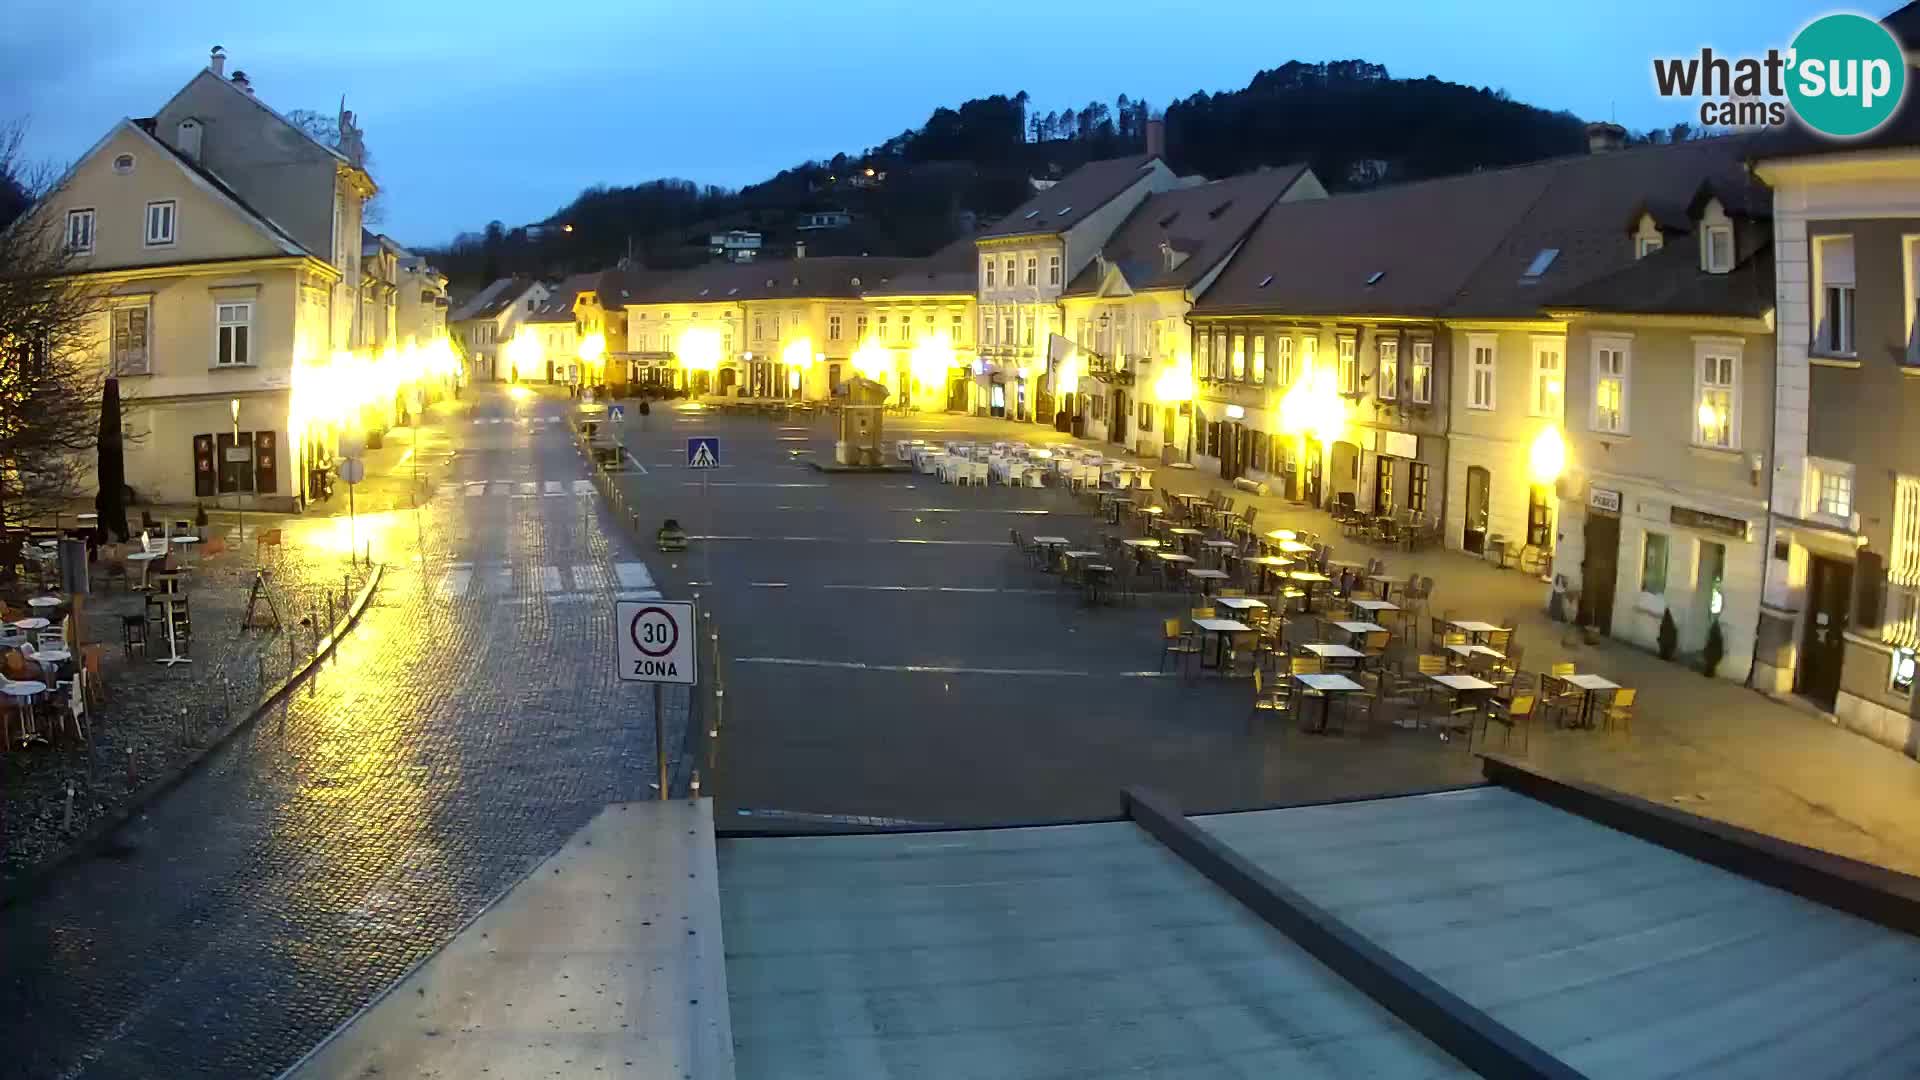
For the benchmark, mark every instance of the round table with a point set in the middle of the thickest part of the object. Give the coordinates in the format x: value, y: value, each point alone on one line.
x: 23, y: 693
x: 145, y: 559
x: 40, y: 603
x: 50, y: 659
x: 33, y: 623
x: 185, y: 543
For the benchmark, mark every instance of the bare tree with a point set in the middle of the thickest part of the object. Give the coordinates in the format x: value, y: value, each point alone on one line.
x: 326, y: 131
x: 49, y: 381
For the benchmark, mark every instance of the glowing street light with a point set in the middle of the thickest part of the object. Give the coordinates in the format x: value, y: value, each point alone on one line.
x: 1548, y: 456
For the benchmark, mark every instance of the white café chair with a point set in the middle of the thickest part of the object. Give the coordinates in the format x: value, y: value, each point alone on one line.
x: 979, y: 473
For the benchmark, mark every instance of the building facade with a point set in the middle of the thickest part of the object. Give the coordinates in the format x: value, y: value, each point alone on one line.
x: 488, y: 328
x: 1669, y: 418
x: 1842, y: 607
x: 226, y: 243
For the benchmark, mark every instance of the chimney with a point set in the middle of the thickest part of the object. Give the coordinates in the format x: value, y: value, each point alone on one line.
x: 218, y: 62
x: 1157, y: 137
x: 187, y: 138
x: 1605, y: 136
x: 240, y: 80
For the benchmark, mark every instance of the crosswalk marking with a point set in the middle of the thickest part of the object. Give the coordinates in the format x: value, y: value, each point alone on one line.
x: 583, y: 487
x: 550, y: 579
x: 554, y: 488
x: 582, y: 583
x: 633, y: 575
x: 528, y: 487
x: 455, y: 582
x: 476, y: 489
x: 589, y: 578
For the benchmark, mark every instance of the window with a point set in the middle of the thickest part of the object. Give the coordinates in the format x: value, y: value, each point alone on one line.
x: 1548, y: 379
x: 80, y: 232
x: 1653, y: 564
x: 1349, y: 363
x: 235, y: 323
x: 1007, y: 267
x: 1716, y: 400
x: 1220, y: 360
x: 1541, y: 262
x: 1387, y: 381
x: 1417, y: 479
x: 1006, y: 329
x: 1903, y: 564
x: 760, y: 327
x: 1237, y: 369
x: 987, y: 336
x: 833, y: 328
x: 1053, y: 272
x: 123, y: 164
x: 131, y: 339
x: 1033, y: 269
x: 1028, y: 338
x: 1539, y: 518
x: 1719, y: 241
x: 1146, y: 418
x: 860, y: 328
x: 160, y: 222
x: 1309, y: 354
x: 1480, y: 369
x: 1283, y: 361
x: 927, y: 319
x: 1834, y: 492
x: 1260, y: 358
x: 1609, y: 386
x: 1645, y: 246
x: 1203, y: 354
x: 955, y: 330
x: 1833, y: 301
x: 986, y: 265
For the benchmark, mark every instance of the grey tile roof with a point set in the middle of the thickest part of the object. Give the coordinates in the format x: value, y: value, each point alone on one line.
x: 1078, y: 194
x: 1203, y: 222
x: 1670, y: 282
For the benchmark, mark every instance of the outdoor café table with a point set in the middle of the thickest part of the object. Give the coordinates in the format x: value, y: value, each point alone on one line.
x: 1094, y: 577
x: 42, y: 603
x: 1206, y: 577
x: 1308, y: 578
x: 1282, y: 534
x: 50, y: 660
x: 32, y: 623
x: 1184, y: 533
x: 1357, y: 628
x: 1375, y: 605
x: 23, y: 693
x: 145, y: 559
x: 1462, y: 684
x: 1345, y: 564
x: 1473, y: 628
x: 1141, y: 542
x: 1219, y: 548
x: 1590, y: 683
x: 1053, y: 546
x: 1220, y: 628
x: 1327, y: 650
x: 1466, y: 651
x: 1239, y: 603
x: 1117, y: 507
x: 1385, y: 582
x: 1073, y: 557
x: 1294, y: 547
x: 166, y: 601
x: 1269, y: 565
x: 1173, y: 558
x: 1328, y: 684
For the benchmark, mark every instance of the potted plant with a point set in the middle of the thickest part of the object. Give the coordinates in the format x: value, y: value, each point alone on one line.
x: 1669, y: 639
x: 200, y: 520
x: 1714, y: 651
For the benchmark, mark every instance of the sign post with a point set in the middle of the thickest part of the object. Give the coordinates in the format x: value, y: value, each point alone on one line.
x: 352, y: 470
x: 703, y: 453
x: 655, y: 641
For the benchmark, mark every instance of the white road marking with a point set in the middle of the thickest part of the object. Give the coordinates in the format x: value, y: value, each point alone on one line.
x: 938, y: 669
x: 639, y: 594
x: 503, y: 579
x: 744, y: 483
x: 455, y: 582
x: 583, y: 487
x: 590, y: 578
x: 476, y: 489
x: 550, y: 579
x: 633, y: 575
x: 449, y: 489
x: 939, y: 588
x: 528, y: 487
x: 858, y: 540
x: 635, y: 462
x: 554, y: 488
x: 767, y: 584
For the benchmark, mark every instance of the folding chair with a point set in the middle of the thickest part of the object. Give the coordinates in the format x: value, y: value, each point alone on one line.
x: 1515, y: 713
x: 1177, y: 642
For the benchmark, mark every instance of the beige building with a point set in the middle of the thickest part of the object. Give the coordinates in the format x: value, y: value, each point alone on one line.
x: 227, y: 245
x: 422, y: 308
x: 1669, y: 417
x: 1025, y: 262
x: 487, y: 326
x: 1125, y: 311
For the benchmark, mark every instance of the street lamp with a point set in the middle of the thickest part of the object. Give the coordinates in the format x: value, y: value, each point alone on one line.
x: 233, y: 409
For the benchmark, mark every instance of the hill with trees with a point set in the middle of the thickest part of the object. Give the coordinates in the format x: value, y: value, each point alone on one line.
x: 922, y: 188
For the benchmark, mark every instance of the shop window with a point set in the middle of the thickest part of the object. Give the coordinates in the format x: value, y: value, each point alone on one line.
x: 1653, y: 564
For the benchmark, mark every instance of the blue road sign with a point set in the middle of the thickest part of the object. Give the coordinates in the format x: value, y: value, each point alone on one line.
x: 616, y: 413
x: 703, y: 452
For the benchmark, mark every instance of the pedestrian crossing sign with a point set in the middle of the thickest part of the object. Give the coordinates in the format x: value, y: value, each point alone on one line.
x: 616, y: 413
x: 703, y: 452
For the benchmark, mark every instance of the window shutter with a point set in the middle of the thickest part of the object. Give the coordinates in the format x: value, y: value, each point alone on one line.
x: 203, y: 476
x: 1869, y: 582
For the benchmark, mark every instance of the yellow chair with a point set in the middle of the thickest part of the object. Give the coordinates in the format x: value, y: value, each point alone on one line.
x: 1177, y: 642
x: 1517, y: 712
x: 1275, y: 698
x: 1306, y: 665
x: 1202, y: 613
x: 1561, y: 671
x: 1620, y: 709
x: 1231, y: 592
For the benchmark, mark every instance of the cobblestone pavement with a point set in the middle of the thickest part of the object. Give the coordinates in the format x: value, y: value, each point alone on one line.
x: 469, y: 725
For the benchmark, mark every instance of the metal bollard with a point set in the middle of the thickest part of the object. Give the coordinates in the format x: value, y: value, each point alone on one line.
x: 67, y: 825
x: 130, y: 771
x: 330, y: 620
x: 183, y: 728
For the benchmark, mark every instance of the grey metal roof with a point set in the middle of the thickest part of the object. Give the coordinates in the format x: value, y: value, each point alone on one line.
x: 1621, y: 958
x: 1069, y: 951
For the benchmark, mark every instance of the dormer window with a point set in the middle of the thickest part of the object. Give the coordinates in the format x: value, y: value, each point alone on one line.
x: 1539, y: 264
x: 1374, y: 278
x: 1717, y: 241
x: 1644, y: 246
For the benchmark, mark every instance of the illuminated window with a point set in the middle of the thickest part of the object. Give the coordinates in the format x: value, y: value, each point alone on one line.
x: 1417, y: 479
x: 1480, y: 371
x: 1836, y: 493
x: 1548, y: 378
x: 833, y: 328
x: 1387, y: 380
x: 1283, y: 360
x: 955, y: 330
x: 1033, y: 269
x: 1609, y: 386
x: 1053, y: 269
x: 130, y: 339
x: 1420, y: 382
x: 1237, y: 369
x: 1220, y: 355
x: 1260, y: 358
x: 1349, y: 370
x: 860, y: 328
x: 1716, y: 399
x: 1653, y: 564
x: 1202, y: 354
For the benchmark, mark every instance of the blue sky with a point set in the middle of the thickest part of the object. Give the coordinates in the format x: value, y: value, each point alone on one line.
x: 506, y: 111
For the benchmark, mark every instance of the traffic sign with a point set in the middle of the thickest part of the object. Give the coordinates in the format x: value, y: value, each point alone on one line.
x: 616, y: 413
x: 353, y: 470
x: 703, y: 452
x: 352, y: 444
x: 654, y: 641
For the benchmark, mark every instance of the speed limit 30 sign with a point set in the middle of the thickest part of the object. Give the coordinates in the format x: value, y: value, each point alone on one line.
x: 654, y: 641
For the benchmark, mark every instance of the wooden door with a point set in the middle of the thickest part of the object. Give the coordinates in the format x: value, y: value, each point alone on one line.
x: 1829, y: 595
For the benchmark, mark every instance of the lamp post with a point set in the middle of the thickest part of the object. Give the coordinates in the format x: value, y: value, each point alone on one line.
x: 239, y: 507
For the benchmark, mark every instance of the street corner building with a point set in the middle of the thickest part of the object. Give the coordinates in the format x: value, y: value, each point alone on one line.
x: 247, y: 315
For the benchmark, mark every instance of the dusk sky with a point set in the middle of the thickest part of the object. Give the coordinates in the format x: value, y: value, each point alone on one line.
x: 507, y: 110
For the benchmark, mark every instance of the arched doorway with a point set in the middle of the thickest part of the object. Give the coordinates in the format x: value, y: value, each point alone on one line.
x: 727, y: 378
